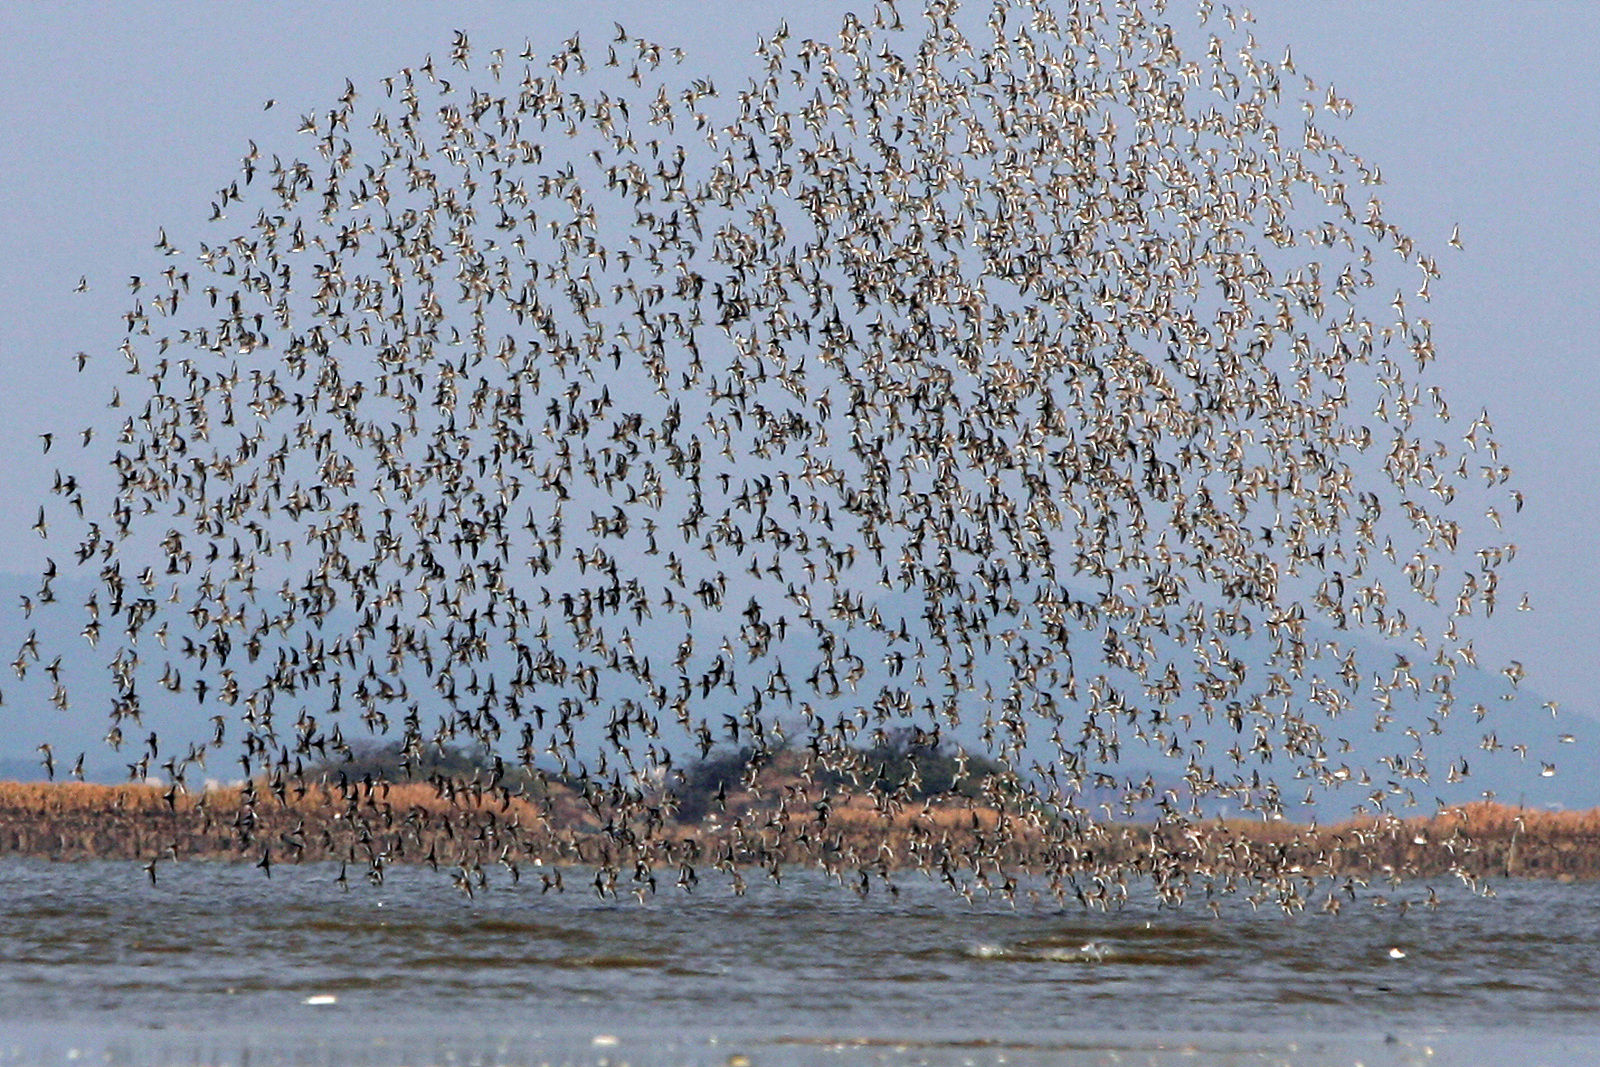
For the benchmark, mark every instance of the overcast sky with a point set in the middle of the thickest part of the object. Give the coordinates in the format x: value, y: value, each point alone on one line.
x: 116, y: 123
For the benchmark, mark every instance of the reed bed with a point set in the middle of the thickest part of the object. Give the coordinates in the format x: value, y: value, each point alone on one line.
x: 468, y: 828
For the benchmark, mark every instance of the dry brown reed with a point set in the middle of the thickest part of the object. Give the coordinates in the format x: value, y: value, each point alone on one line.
x: 467, y: 828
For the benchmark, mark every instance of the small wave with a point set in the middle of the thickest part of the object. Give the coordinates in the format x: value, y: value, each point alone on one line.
x: 1088, y: 952
x: 618, y: 962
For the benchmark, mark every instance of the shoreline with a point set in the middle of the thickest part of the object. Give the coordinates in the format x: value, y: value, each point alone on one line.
x: 469, y: 829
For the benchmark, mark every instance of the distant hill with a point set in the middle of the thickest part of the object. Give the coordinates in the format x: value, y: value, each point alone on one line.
x: 28, y: 720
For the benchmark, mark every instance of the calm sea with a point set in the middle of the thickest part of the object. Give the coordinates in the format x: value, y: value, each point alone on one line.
x: 217, y: 964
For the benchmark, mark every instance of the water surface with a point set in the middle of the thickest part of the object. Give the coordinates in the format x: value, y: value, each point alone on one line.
x: 217, y: 964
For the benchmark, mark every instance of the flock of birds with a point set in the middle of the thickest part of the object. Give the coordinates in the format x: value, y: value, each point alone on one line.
x: 1046, y: 382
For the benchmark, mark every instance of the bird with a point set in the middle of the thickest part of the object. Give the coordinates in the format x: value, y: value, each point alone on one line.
x: 939, y: 381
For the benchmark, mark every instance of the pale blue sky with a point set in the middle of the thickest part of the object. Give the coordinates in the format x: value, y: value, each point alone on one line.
x: 115, y: 123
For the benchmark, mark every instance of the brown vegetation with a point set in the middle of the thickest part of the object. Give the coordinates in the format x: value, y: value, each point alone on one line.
x: 466, y: 827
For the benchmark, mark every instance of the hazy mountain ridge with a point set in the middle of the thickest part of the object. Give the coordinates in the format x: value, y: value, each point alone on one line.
x: 1512, y: 778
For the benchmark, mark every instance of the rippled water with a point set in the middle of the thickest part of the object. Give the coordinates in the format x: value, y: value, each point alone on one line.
x: 218, y: 964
